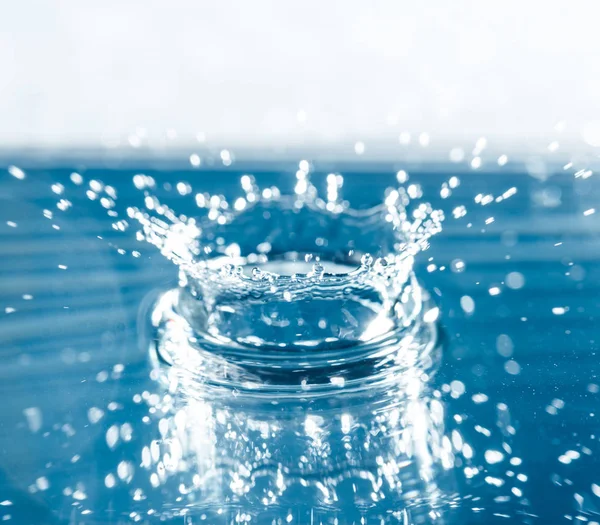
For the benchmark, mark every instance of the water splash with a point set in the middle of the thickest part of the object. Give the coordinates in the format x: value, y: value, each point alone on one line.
x: 170, y: 443
x: 322, y: 289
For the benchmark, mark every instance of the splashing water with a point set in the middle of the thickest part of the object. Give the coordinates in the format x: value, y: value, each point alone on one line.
x: 291, y: 371
x: 292, y: 288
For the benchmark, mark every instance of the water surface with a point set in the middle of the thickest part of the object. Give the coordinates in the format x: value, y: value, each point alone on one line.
x: 515, y: 282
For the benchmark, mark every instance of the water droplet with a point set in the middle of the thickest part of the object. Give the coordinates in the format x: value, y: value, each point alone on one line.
x: 17, y: 173
x: 431, y: 315
x: 560, y: 310
x: 467, y: 304
x: 512, y: 367
x: 493, y: 456
x: 457, y: 266
x: 402, y: 176
x: 195, y: 160
x: 515, y: 280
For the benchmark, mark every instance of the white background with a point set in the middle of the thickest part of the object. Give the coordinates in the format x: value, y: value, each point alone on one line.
x: 77, y: 72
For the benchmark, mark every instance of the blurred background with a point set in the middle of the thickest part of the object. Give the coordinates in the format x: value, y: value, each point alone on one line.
x: 267, y: 73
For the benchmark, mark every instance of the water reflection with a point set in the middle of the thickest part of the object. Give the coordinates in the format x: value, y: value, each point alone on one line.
x: 382, y: 454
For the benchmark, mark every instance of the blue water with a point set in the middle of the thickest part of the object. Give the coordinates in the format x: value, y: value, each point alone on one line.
x: 528, y: 355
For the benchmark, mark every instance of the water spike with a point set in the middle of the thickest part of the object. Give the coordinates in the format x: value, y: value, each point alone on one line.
x: 317, y: 270
x: 367, y: 260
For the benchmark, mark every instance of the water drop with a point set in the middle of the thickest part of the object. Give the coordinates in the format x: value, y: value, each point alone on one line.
x: 457, y: 266
x: 515, y: 280
x: 402, y: 176
x: 195, y: 160
x: 17, y: 173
